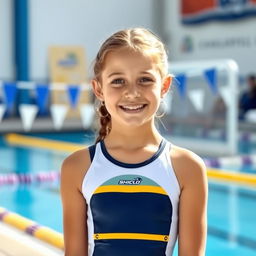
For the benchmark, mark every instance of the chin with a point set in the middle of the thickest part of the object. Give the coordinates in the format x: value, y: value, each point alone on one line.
x: 135, y: 123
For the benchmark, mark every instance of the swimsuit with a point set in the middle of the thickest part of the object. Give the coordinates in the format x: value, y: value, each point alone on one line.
x: 132, y: 209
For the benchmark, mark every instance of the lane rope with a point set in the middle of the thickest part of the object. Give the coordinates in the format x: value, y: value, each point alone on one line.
x: 222, y: 162
x: 32, y: 228
x: 233, y: 161
x: 29, y: 178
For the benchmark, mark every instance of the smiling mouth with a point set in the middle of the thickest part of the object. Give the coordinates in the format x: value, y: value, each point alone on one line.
x: 133, y: 108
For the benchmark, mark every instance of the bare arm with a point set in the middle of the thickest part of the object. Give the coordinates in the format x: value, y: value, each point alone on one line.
x: 192, y: 176
x: 74, y: 204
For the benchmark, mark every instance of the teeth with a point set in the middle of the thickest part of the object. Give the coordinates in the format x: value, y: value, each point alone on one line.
x: 133, y: 107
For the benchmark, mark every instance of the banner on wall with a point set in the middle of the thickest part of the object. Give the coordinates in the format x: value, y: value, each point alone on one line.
x: 204, y: 10
x: 67, y: 65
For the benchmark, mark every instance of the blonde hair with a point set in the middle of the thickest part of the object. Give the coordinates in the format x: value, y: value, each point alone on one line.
x: 138, y: 39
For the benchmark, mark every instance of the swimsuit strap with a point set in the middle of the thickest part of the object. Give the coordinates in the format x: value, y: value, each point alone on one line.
x: 92, y: 149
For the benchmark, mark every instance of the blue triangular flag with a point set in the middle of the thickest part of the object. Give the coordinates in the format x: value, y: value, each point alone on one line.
x: 73, y: 93
x: 42, y: 95
x: 10, y: 91
x: 211, y: 77
x: 181, y: 80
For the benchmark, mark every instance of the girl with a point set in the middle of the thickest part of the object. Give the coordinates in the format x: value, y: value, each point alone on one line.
x: 133, y: 193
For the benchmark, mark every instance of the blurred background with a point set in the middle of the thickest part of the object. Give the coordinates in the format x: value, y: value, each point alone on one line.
x: 47, y: 108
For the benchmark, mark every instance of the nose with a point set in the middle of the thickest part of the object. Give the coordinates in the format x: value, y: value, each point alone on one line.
x: 132, y: 91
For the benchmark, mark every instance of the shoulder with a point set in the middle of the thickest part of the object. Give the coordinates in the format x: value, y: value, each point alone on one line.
x: 77, y: 158
x: 75, y: 166
x: 188, y: 166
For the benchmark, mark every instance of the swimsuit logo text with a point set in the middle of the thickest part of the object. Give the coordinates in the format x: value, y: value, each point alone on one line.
x: 135, y: 181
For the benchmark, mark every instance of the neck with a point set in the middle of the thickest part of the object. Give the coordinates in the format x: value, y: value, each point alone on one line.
x: 133, y: 137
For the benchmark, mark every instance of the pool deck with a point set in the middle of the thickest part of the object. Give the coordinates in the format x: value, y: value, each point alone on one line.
x: 39, y: 125
x: 14, y: 242
x: 45, y: 124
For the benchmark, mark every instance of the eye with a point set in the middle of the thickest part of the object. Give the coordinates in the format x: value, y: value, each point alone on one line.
x: 146, y: 80
x: 118, y: 81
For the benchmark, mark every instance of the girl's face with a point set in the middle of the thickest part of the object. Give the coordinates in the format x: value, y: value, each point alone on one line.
x: 131, y: 87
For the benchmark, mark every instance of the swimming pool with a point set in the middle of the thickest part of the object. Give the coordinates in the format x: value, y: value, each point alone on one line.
x: 231, y: 208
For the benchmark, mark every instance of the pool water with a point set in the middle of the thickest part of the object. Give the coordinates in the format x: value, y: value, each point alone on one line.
x: 41, y: 204
x: 231, y: 208
x: 231, y: 216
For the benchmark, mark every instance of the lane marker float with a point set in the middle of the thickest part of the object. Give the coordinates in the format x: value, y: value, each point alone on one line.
x: 29, y: 178
x: 32, y: 228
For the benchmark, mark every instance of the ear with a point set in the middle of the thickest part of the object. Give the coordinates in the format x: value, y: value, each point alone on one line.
x: 166, y: 84
x: 97, y: 89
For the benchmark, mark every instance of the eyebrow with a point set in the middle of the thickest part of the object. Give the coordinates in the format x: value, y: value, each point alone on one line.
x: 120, y: 73
x: 146, y: 72
x: 115, y: 74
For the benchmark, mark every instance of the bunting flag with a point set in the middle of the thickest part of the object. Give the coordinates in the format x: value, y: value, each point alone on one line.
x: 58, y: 112
x: 181, y: 80
x: 42, y: 96
x: 2, y: 111
x: 28, y: 113
x: 211, y: 78
x: 73, y: 93
x: 197, y: 98
x: 87, y: 113
x: 226, y: 95
x: 10, y: 91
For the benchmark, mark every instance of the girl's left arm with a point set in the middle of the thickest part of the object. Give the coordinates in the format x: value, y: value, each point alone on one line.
x: 193, y: 205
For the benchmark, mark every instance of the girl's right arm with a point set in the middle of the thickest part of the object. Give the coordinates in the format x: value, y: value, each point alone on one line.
x: 74, y: 204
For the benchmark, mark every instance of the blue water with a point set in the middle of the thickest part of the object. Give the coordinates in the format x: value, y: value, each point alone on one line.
x: 39, y: 203
x: 231, y: 208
